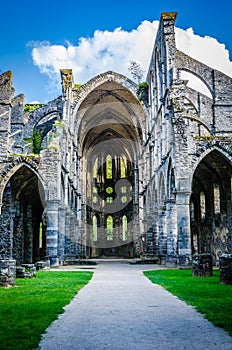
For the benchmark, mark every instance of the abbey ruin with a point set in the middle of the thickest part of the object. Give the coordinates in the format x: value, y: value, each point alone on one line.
x: 116, y: 169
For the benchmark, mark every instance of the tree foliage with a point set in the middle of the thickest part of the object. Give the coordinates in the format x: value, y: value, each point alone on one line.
x: 136, y: 71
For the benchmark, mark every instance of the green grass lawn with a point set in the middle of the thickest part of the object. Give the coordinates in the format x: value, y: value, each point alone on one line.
x: 27, y: 309
x: 206, y: 294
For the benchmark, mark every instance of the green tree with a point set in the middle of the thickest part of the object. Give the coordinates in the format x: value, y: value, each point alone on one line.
x: 136, y: 71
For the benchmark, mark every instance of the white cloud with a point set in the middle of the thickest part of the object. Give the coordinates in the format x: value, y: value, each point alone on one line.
x: 205, y: 49
x: 113, y: 51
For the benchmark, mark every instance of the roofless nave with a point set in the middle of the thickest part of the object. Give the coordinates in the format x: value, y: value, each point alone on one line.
x: 101, y: 172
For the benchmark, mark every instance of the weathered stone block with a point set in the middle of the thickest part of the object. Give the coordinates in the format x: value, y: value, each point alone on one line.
x: 7, y: 272
x: 202, y: 265
x: 225, y: 266
x: 171, y: 260
x: 42, y: 265
x: 26, y: 271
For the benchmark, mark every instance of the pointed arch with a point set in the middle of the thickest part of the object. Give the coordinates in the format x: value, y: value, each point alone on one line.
x: 211, y: 200
x: 23, y: 207
x: 15, y: 166
x: 195, y: 81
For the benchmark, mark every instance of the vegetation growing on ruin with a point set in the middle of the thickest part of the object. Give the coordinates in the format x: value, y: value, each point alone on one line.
x: 31, y: 107
x: 35, y: 142
x: 142, y: 92
x: 77, y: 86
x: 206, y: 294
x: 27, y: 309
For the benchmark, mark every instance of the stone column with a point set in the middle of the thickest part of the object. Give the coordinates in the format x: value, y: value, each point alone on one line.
x: 17, y: 123
x: 28, y: 236
x: 73, y: 235
x: 61, y: 235
x: 67, y: 85
x: 155, y: 234
x: 67, y: 234
x: 162, y: 233
x: 183, y: 223
x: 5, y: 113
x: 149, y: 238
x: 171, y: 227
x: 52, y: 231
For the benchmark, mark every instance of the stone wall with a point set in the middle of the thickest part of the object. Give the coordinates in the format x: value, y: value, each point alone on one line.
x: 180, y: 147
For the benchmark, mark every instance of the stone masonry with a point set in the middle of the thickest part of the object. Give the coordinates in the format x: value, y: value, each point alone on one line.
x: 109, y: 169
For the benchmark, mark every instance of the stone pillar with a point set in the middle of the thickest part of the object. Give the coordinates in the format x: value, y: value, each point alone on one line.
x: 73, y: 235
x: 162, y: 234
x: 6, y: 224
x: 171, y: 259
x: 67, y: 234
x: 61, y: 236
x: 167, y: 22
x: 183, y: 223
x: 28, y: 236
x: 155, y: 234
x: 17, y: 123
x: 5, y: 113
x: 52, y: 231
x: 171, y: 227
x: 67, y: 85
x: 225, y: 265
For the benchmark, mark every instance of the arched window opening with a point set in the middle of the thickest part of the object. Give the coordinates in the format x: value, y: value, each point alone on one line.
x: 202, y: 205
x: 109, y: 228
x: 124, y: 228
x: 195, y: 83
x: 216, y: 195
x: 94, y: 228
x: 109, y: 167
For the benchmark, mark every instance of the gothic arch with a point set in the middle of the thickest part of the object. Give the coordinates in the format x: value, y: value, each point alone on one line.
x: 210, y: 225
x: 108, y: 95
x: 205, y: 150
x: 108, y: 122
x: 98, y: 80
x: 14, y: 167
x: 199, y: 77
x: 22, y: 216
x: 189, y: 64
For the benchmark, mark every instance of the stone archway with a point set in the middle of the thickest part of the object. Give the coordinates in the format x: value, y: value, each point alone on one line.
x: 210, y: 206
x: 22, y: 228
x: 110, y: 139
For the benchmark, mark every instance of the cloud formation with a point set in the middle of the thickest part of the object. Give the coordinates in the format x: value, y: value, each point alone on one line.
x: 113, y: 50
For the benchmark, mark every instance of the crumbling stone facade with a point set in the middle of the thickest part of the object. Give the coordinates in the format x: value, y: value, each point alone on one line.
x: 105, y: 170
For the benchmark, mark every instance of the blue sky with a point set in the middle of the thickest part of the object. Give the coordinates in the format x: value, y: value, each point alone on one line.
x: 39, y: 36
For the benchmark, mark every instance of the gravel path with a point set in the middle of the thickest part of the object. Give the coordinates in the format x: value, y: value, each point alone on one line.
x: 120, y: 309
